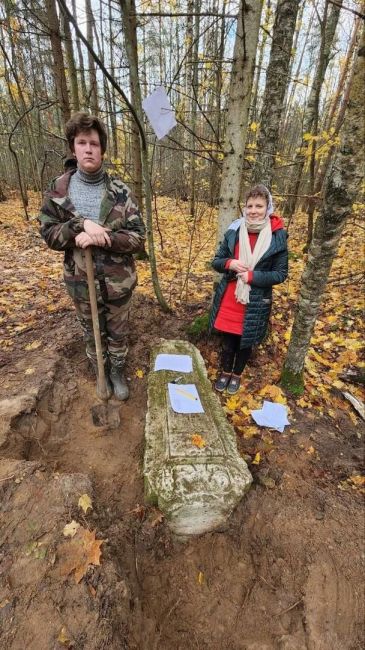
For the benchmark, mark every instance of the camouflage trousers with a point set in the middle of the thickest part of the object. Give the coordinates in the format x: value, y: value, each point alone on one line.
x: 113, y: 322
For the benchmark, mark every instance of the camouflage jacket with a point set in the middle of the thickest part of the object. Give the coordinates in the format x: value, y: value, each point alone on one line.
x: 114, y: 266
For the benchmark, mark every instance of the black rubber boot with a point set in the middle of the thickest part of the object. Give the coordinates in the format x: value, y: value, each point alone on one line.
x: 109, y: 387
x: 120, y: 386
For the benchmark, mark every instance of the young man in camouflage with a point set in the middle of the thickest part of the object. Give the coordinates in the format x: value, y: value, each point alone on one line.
x: 87, y: 207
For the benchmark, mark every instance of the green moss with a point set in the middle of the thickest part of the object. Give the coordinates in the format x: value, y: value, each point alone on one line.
x: 292, y: 382
x: 199, y: 326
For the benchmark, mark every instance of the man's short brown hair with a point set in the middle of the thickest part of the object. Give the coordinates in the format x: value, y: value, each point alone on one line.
x: 83, y: 123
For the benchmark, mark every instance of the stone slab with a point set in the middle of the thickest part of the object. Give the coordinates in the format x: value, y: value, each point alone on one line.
x: 196, y: 488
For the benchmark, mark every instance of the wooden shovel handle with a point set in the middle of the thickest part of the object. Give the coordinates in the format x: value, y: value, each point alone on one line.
x: 95, y: 317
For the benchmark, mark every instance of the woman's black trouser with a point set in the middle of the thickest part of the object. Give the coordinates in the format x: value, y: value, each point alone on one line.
x: 234, y: 358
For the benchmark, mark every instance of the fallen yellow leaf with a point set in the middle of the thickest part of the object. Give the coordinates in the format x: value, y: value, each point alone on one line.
x: 232, y: 403
x: 139, y: 374
x: 200, y: 578
x: 71, y: 529
x: 198, y: 441
x: 358, y: 480
x: 85, y: 503
x: 78, y: 553
x: 249, y: 432
x: 303, y: 403
x: 64, y: 638
x: 33, y: 346
x: 270, y: 390
x: 257, y: 459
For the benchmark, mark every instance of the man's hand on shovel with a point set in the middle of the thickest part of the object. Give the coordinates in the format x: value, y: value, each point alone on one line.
x: 98, y: 234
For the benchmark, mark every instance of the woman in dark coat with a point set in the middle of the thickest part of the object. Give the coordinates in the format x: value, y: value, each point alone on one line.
x: 252, y: 258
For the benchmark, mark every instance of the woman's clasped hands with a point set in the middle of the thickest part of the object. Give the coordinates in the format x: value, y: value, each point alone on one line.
x: 239, y: 268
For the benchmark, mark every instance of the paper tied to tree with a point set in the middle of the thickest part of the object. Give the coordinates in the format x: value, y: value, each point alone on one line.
x: 159, y: 112
x: 178, y: 362
x: 184, y: 398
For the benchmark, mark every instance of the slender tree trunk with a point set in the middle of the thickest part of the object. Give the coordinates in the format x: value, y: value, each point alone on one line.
x: 58, y: 62
x: 130, y: 36
x: 194, y: 107
x: 322, y: 173
x: 345, y: 68
x: 311, y: 113
x: 275, y: 87
x: 110, y: 92
x: 238, y: 111
x: 81, y: 60
x: 258, y: 68
x: 188, y: 80
x: 342, y: 189
x: 217, y: 119
x: 129, y: 26
x: 93, y: 84
x: 72, y: 73
x: 288, y: 102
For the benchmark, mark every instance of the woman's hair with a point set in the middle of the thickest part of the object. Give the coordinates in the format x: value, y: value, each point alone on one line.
x: 261, y: 191
x: 81, y: 123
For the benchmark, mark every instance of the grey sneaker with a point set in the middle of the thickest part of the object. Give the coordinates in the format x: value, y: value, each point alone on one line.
x: 120, y: 386
x: 234, y: 384
x: 222, y: 381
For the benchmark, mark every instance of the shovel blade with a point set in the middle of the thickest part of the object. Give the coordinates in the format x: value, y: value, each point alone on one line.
x: 105, y: 415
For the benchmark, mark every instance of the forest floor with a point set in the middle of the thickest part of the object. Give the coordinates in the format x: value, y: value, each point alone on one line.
x: 285, y: 572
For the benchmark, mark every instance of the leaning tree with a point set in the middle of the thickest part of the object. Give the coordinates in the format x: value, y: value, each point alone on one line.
x: 342, y: 190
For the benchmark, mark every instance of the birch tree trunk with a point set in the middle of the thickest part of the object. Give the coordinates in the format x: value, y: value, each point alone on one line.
x: 342, y: 189
x: 267, y: 25
x: 275, y: 88
x: 238, y: 111
x: 217, y: 106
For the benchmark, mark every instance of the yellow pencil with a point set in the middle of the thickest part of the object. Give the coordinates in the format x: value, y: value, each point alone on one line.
x: 186, y: 393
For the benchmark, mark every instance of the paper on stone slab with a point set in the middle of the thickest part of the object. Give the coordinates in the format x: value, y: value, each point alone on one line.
x: 178, y: 362
x: 184, y: 398
x: 159, y: 112
x: 272, y: 415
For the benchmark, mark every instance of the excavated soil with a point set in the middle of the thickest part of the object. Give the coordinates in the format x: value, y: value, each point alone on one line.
x: 286, y: 572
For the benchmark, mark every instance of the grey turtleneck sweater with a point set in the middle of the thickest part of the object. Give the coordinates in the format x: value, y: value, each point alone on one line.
x: 86, y: 192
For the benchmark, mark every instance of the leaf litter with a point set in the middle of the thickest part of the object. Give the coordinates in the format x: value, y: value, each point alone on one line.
x: 77, y: 554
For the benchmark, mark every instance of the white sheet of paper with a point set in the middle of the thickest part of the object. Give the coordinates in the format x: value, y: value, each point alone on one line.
x: 178, y: 362
x: 272, y: 415
x: 184, y: 398
x: 159, y: 112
